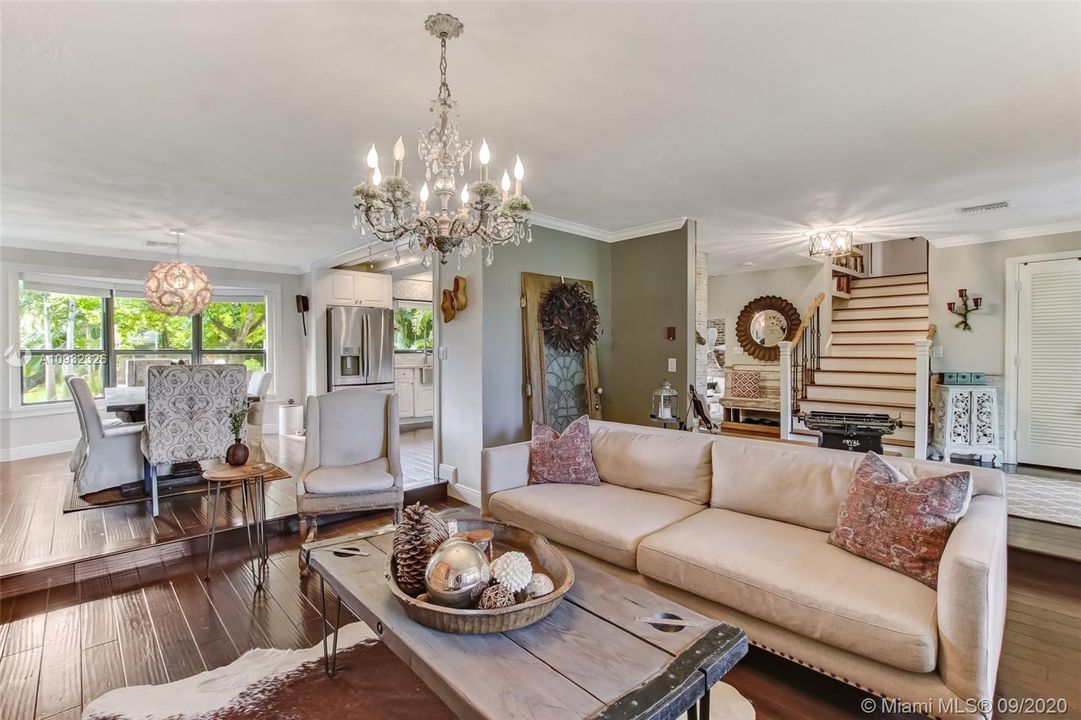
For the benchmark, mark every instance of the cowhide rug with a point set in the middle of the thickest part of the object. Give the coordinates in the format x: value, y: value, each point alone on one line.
x: 371, y: 684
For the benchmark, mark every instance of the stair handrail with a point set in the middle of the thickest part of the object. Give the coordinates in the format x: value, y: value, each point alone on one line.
x: 807, y: 317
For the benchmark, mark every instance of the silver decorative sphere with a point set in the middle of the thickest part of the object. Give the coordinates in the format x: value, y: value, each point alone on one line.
x: 457, y: 574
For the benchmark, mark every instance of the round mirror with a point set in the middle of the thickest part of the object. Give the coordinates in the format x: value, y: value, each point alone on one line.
x: 768, y: 327
x: 763, y: 324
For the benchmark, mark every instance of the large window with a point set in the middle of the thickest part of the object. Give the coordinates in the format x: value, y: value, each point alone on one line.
x: 61, y: 333
x: 110, y: 339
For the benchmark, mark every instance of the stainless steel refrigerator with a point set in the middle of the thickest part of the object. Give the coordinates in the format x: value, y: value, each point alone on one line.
x: 360, y: 348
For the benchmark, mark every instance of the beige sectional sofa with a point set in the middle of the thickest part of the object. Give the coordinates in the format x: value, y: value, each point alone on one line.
x: 736, y: 529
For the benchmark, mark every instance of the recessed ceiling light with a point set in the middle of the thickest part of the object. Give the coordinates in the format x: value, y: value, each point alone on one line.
x: 976, y: 209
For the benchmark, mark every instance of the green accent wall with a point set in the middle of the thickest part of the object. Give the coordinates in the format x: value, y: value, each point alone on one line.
x: 652, y: 289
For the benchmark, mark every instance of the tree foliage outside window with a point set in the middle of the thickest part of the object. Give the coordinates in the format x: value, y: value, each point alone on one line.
x: 62, y: 334
x: 413, y: 328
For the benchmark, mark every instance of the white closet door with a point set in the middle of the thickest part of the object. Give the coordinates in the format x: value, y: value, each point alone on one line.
x: 1049, y: 364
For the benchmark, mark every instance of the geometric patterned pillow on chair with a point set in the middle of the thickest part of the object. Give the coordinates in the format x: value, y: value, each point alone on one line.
x: 744, y: 383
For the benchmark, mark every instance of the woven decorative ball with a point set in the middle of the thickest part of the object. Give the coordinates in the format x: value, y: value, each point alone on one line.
x: 538, y: 586
x: 495, y: 597
x: 512, y: 570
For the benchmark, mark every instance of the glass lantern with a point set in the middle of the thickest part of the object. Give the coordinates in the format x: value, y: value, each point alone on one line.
x: 665, y: 403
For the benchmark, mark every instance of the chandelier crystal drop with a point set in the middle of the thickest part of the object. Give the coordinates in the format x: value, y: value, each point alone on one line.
x: 177, y: 288
x: 486, y: 215
x: 831, y: 242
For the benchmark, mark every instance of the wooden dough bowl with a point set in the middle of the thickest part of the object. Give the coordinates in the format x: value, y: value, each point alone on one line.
x: 541, y: 554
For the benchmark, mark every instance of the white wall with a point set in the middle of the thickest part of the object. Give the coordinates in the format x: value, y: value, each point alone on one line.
x: 900, y: 257
x: 25, y: 432
x: 461, y: 379
x: 729, y: 293
x: 980, y: 269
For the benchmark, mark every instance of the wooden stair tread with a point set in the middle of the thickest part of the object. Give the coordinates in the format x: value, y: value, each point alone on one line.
x: 886, y: 403
x: 872, y: 388
x: 867, y: 357
x: 868, y: 372
x: 901, y: 295
x: 880, y: 331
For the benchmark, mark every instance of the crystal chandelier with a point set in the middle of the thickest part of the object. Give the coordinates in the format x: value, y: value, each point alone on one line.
x: 831, y: 242
x: 177, y: 288
x: 487, y: 216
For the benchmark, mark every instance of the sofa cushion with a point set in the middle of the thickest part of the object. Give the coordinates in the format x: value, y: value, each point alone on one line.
x: 667, y: 462
x: 805, y: 485
x: 562, y: 458
x: 607, y: 521
x: 366, y: 477
x: 790, y: 576
x: 902, y: 524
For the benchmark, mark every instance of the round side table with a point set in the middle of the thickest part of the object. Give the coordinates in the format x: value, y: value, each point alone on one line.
x: 252, y: 478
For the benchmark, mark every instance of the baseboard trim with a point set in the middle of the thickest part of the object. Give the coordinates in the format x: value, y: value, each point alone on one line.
x: 465, y: 494
x: 31, y: 451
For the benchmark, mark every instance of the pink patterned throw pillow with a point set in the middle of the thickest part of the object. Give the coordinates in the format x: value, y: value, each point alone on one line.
x: 900, y: 523
x: 566, y: 458
x: 744, y: 383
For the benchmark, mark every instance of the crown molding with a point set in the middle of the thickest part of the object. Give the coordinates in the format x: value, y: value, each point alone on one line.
x: 609, y: 236
x: 152, y: 256
x: 1012, y: 234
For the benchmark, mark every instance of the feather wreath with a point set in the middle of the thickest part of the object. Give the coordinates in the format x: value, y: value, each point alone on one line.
x: 568, y: 317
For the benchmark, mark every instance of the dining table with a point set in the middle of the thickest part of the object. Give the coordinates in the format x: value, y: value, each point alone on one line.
x: 129, y: 402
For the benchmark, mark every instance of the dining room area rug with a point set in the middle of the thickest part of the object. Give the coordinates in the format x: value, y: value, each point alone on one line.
x: 370, y: 683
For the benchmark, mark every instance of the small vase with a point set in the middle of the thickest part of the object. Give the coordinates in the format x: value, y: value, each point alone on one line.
x: 237, y: 454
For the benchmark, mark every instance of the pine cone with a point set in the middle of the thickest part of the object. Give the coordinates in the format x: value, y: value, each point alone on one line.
x: 414, y: 543
x: 494, y: 597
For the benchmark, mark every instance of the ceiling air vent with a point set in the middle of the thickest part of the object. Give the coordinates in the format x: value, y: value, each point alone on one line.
x: 160, y: 243
x: 976, y: 209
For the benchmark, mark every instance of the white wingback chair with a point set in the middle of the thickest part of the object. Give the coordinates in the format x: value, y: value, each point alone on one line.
x: 351, y: 456
x: 109, y: 455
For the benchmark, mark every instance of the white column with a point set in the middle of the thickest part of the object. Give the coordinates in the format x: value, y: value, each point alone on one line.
x: 785, y: 347
x: 923, y: 395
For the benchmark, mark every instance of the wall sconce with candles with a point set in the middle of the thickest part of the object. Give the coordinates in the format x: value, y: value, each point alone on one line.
x: 963, y: 311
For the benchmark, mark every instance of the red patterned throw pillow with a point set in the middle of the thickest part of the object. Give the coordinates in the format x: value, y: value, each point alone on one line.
x: 744, y: 383
x: 900, y: 523
x: 566, y: 458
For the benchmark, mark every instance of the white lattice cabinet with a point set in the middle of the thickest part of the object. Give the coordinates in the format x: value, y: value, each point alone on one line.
x: 966, y: 421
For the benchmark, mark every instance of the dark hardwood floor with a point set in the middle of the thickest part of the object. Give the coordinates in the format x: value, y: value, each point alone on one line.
x: 61, y: 648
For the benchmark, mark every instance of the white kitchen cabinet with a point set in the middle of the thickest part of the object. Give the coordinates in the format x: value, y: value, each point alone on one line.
x: 405, y: 398
x: 424, y: 405
x: 348, y: 287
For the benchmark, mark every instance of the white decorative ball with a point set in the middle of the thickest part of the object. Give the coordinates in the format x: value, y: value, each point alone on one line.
x: 512, y: 570
x: 539, y: 586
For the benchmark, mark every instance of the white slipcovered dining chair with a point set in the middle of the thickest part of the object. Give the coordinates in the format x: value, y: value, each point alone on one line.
x: 107, y: 455
x: 187, y: 415
x: 351, y: 456
x: 258, y: 387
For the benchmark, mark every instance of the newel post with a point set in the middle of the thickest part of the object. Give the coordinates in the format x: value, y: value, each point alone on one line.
x: 923, y: 397
x: 785, y: 346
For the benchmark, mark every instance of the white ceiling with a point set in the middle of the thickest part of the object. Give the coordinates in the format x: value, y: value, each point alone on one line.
x: 246, y: 123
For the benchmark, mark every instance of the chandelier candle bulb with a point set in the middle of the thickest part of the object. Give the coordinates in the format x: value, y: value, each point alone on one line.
x: 485, y: 156
x: 519, y: 173
x: 505, y: 184
x: 399, y: 156
x: 373, y: 162
x: 424, y: 198
x: 377, y: 178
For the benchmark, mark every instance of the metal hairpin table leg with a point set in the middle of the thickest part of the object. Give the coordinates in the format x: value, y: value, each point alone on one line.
x: 692, y: 712
x: 247, y: 526
x: 703, y: 706
x: 212, y: 522
x: 259, y: 557
x: 330, y: 659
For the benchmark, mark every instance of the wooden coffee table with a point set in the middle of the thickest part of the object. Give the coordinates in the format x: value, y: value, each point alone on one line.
x: 596, y: 656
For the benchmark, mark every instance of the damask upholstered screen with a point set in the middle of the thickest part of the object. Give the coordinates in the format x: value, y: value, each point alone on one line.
x: 187, y: 410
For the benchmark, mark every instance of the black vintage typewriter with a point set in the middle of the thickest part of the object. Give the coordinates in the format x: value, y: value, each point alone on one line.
x: 858, y: 432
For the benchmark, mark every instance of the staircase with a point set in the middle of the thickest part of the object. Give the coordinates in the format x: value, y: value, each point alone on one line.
x: 870, y: 363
